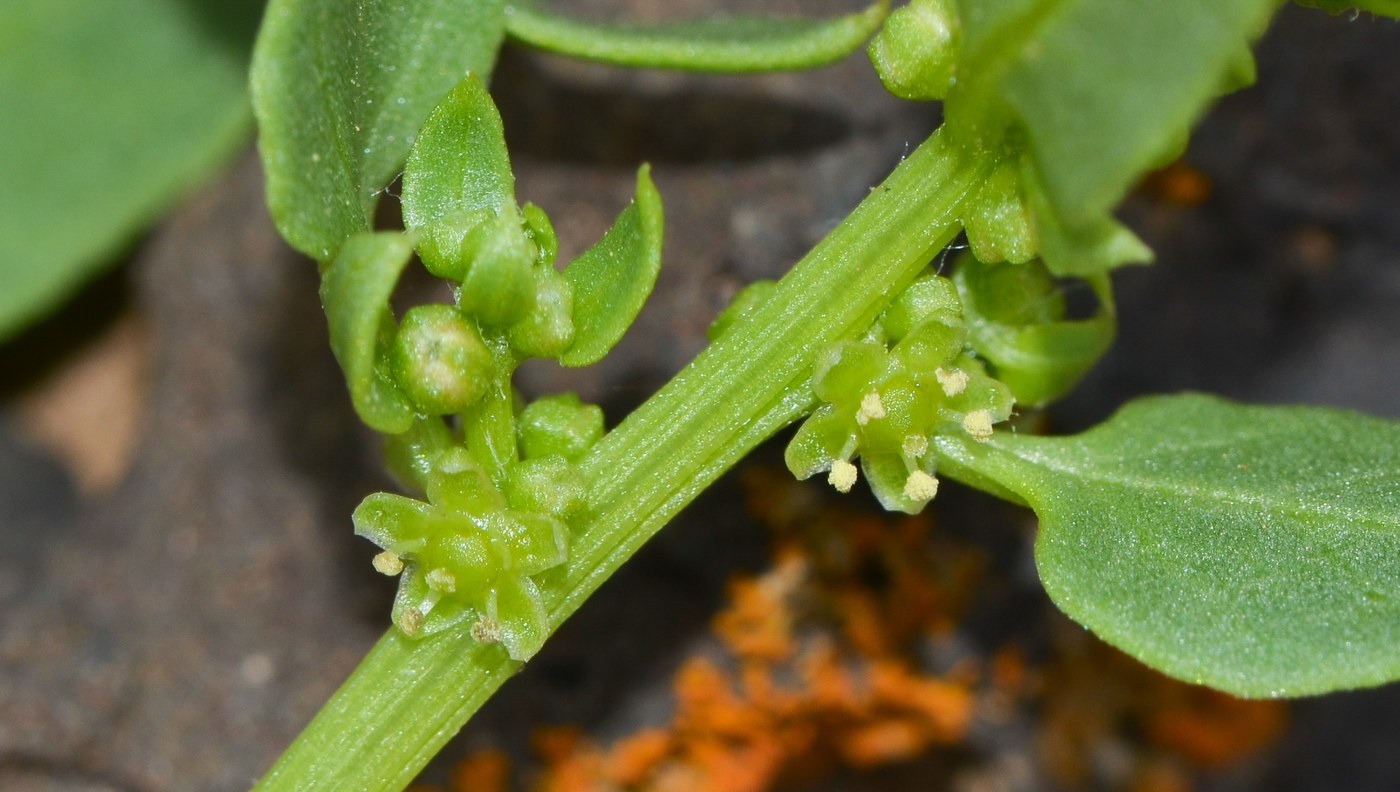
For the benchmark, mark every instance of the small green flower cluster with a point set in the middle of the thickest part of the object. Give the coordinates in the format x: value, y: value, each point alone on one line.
x: 471, y: 551
x: 885, y: 397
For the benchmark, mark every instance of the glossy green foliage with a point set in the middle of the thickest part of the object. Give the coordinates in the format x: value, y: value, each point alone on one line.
x: 612, y: 279
x: 1253, y: 549
x: 723, y: 44
x: 1015, y: 317
x: 108, y: 112
x: 885, y: 396
x: 341, y: 87
x: 355, y: 291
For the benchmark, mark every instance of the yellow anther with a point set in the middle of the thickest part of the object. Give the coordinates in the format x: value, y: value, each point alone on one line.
x: 920, y: 486
x: 915, y: 446
x: 953, y: 382
x: 388, y: 563
x: 978, y: 423
x: 843, y: 475
x: 442, y: 581
x: 871, y: 409
x: 486, y: 631
x: 411, y: 621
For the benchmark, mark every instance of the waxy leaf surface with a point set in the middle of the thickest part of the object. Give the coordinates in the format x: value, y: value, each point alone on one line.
x: 1252, y: 549
x: 340, y: 88
x: 719, y: 44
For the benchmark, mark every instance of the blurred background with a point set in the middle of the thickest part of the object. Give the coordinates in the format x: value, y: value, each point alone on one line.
x: 179, y: 586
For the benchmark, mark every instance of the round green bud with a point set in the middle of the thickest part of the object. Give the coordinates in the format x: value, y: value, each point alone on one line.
x: 1012, y: 294
x: 926, y: 297
x: 930, y: 345
x: 499, y: 287
x: 439, y: 360
x: 917, y: 49
x: 561, y: 425
x: 547, y: 331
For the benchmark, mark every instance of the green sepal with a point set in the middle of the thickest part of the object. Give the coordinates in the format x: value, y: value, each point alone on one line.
x: 927, y: 297
x: 391, y: 520
x: 355, y: 292
x: 745, y: 301
x: 613, y: 278
x: 533, y: 542
x: 887, y: 474
x: 559, y: 425
x: 442, y: 612
x: 917, y: 49
x: 459, y: 484
x: 931, y: 344
x: 722, y: 44
x: 983, y: 392
x: 846, y: 371
x: 517, y: 607
x: 409, y: 456
x: 827, y: 435
x: 1015, y: 321
x: 548, y: 485
x: 439, y: 360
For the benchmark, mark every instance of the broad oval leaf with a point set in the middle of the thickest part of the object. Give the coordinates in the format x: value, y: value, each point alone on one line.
x: 355, y: 291
x: 459, y: 163
x: 1252, y: 549
x: 613, y: 278
x: 720, y: 44
x: 108, y: 111
x: 340, y: 90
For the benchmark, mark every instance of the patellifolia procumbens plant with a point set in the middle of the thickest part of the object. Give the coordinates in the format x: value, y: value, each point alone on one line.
x: 1253, y: 549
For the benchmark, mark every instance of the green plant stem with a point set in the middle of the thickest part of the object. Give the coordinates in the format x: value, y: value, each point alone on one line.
x: 407, y: 698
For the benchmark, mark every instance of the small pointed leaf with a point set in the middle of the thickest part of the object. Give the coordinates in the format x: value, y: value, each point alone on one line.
x: 613, y: 278
x: 459, y: 164
x: 723, y: 44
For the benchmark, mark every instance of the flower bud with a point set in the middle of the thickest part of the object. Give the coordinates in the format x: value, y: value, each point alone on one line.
x: 915, y: 52
x: 548, y: 330
x: 559, y: 425
x: 439, y: 360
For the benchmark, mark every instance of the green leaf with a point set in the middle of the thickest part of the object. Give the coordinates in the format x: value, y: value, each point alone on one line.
x: 108, y: 112
x: 1099, y: 87
x: 1253, y: 549
x: 459, y: 164
x: 614, y: 277
x: 721, y: 44
x: 355, y: 292
x: 340, y: 89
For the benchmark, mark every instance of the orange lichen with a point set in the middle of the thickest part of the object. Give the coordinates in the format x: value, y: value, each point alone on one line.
x: 818, y: 672
x: 1178, y: 184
